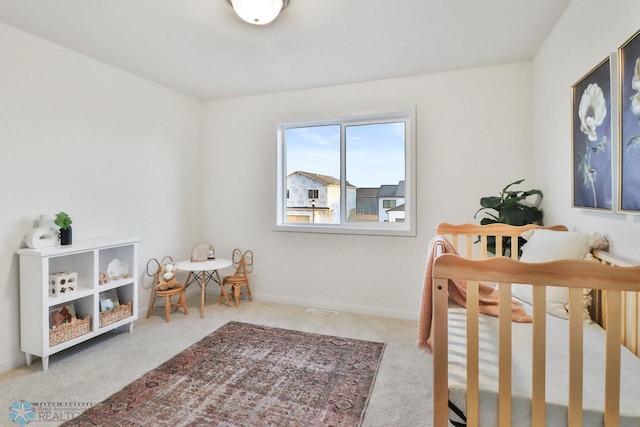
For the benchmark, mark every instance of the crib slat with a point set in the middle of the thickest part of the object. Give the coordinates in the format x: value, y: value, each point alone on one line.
x: 634, y: 329
x: 597, y: 306
x: 514, y: 247
x: 576, y: 340
x: 504, y: 355
x: 469, y: 246
x: 483, y: 243
x: 538, y: 406
x: 623, y: 326
x: 473, y: 370
x: 498, y: 246
x: 440, y: 354
x: 603, y: 297
x: 612, y: 370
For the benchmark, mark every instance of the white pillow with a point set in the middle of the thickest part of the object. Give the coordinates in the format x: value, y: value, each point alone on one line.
x: 548, y: 245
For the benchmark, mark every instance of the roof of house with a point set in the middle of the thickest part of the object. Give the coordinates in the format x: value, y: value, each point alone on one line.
x: 367, y: 192
x: 323, y: 179
x: 392, y: 190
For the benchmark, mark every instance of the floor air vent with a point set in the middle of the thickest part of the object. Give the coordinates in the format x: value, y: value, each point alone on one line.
x: 321, y: 311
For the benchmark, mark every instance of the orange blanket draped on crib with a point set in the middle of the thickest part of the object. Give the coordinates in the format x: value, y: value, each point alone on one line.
x: 488, y: 296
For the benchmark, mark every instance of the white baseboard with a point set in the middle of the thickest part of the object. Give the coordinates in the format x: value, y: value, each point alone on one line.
x: 349, y: 308
x: 9, y: 364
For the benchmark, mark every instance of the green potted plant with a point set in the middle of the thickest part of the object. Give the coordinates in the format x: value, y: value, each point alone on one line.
x: 63, y: 221
x: 510, y: 207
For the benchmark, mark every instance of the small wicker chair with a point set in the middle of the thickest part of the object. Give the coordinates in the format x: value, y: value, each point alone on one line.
x: 240, y: 278
x: 167, y: 293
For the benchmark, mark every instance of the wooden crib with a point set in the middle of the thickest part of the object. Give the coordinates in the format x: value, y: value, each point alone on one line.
x: 615, y: 307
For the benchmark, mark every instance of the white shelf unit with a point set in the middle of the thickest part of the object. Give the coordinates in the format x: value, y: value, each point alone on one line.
x: 88, y: 258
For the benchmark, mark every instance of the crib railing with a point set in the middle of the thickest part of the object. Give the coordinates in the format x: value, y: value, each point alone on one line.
x: 574, y: 274
x: 465, y: 236
x: 472, y: 233
x: 630, y: 327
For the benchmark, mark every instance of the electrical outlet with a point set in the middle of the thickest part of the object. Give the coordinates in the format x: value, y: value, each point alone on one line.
x: 256, y: 271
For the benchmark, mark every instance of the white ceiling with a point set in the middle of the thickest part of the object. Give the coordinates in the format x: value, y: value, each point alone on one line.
x: 199, y: 47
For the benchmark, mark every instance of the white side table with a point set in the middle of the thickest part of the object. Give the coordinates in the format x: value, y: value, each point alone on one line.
x: 201, y: 272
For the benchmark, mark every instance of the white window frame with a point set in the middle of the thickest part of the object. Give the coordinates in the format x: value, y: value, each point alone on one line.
x: 406, y: 228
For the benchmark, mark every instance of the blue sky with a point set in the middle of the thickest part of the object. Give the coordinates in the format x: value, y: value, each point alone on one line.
x: 375, y: 152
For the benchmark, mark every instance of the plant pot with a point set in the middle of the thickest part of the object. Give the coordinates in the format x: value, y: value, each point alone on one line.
x: 66, y: 236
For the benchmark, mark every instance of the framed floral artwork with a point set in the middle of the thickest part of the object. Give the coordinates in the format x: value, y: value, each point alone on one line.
x: 591, y: 136
x: 629, y: 177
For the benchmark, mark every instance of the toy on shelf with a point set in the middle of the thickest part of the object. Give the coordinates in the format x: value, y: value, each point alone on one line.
x: 118, y: 269
x: 103, y: 278
x: 43, y: 235
x: 62, y: 283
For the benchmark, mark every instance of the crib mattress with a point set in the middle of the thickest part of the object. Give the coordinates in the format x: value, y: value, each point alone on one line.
x: 557, y: 373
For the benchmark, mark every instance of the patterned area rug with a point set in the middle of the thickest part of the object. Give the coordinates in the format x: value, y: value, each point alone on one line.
x: 250, y: 375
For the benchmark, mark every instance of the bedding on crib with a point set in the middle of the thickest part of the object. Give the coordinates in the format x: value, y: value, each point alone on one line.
x: 556, y: 373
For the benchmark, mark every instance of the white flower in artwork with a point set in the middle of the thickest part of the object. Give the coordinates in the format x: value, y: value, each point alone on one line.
x: 635, y: 82
x: 592, y: 110
x: 635, y: 103
x: 634, y: 141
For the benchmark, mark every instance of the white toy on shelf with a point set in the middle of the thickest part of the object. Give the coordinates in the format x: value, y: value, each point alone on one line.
x: 43, y: 235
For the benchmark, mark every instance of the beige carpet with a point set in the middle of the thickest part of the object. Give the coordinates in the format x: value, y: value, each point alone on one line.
x: 92, y: 371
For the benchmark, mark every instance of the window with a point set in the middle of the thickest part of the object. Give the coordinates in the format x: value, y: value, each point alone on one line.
x: 388, y: 204
x: 325, y: 168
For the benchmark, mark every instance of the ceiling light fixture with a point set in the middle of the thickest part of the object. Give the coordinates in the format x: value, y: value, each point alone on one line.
x: 258, y: 12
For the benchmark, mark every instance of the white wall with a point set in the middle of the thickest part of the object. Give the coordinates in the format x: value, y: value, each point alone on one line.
x: 587, y: 33
x: 473, y: 137
x: 118, y: 153
x: 124, y: 157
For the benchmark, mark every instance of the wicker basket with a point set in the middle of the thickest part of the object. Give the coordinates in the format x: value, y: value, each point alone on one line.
x: 68, y: 331
x: 121, y: 312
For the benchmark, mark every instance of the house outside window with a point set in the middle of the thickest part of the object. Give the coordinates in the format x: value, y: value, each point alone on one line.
x: 366, y: 207
x: 390, y: 197
x: 332, y: 173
